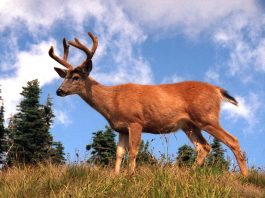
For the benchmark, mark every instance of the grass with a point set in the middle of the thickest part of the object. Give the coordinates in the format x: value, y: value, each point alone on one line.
x: 46, y: 180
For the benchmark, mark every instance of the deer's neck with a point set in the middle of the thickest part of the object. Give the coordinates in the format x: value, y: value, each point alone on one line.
x: 98, y: 96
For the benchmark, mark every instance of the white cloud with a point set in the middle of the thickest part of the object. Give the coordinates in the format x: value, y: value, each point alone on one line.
x: 248, y: 109
x: 141, y: 73
x: 33, y: 13
x: 259, y: 55
x: 213, y: 76
x: 118, y: 35
x: 29, y: 65
x: 222, y: 37
x: 241, y: 111
x: 188, y: 16
x: 237, y: 26
x: 172, y: 79
x: 245, y: 57
x: 243, y: 36
x: 41, y: 15
x: 62, y: 117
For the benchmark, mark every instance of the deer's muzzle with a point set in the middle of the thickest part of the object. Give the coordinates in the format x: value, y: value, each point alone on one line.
x: 60, y: 92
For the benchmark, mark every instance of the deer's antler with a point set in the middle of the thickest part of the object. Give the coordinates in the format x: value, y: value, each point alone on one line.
x: 62, y: 61
x: 82, y: 47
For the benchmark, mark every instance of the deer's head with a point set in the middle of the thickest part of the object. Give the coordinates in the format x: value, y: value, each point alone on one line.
x: 74, y: 78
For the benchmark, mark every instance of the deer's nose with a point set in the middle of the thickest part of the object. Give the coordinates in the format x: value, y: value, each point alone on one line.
x: 60, y: 92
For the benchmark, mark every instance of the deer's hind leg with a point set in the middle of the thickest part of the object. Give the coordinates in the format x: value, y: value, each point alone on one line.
x: 135, y: 131
x: 218, y: 132
x: 201, y: 145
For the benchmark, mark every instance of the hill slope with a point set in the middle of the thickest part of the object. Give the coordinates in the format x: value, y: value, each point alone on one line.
x: 149, y: 181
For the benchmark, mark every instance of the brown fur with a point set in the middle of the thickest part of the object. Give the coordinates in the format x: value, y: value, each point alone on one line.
x: 132, y: 109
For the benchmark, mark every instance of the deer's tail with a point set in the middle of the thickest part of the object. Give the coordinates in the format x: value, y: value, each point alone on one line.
x: 228, y: 97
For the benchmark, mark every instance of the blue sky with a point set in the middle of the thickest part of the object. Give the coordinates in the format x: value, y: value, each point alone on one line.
x: 149, y: 42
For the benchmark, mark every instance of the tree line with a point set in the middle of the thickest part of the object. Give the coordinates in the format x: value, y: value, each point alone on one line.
x: 103, y: 147
x: 27, y: 139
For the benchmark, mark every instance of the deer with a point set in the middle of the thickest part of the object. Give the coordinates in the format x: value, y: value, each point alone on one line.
x: 131, y: 109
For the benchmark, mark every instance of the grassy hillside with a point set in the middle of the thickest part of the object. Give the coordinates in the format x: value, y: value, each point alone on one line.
x: 149, y: 181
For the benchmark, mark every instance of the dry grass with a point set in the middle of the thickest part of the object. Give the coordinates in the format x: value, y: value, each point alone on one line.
x: 149, y: 181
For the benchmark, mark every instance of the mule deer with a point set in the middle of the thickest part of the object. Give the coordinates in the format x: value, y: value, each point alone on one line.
x: 132, y: 109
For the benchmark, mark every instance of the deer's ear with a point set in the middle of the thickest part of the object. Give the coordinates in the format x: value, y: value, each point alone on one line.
x: 87, y: 67
x: 61, y: 72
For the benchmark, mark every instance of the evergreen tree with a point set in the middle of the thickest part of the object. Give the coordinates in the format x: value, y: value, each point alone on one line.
x: 57, y: 153
x: 48, y: 112
x: 186, y: 155
x: 144, y: 155
x: 3, y: 145
x: 11, y: 131
x: 216, y: 157
x: 31, y: 137
x: 103, y: 147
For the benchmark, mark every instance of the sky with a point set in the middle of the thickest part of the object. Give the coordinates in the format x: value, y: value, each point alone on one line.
x: 146, y: 42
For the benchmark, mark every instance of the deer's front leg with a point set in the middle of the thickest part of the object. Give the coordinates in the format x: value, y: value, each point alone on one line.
x: 135, y: 131
x: 123, y: 144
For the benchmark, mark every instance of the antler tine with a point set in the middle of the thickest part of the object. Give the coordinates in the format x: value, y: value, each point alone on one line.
x: 95, y: 42
x: 82, y: 47
x: 60, y: 60
x: 66, y: 49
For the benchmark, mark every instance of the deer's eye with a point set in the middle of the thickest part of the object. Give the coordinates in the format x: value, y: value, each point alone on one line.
x: 75, y: 78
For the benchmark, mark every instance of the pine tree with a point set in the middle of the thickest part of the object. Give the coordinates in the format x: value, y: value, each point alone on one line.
x: 57, y: 153
x: 31, y: 137
x: 11, y: 131
x: 144, y: 155
x: 216, y: 157
x: 186, y: 155
x: 48, y: 112
x: 103, y: 147
x: 3, y: 145
x: 56, y: 150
